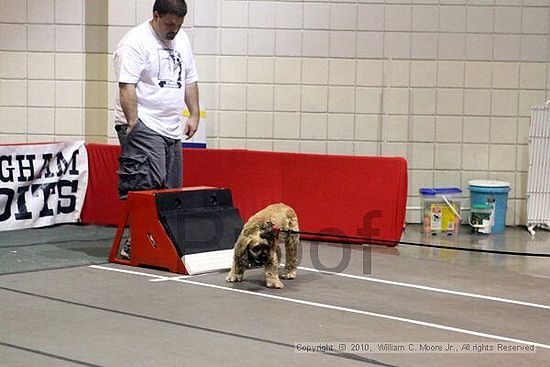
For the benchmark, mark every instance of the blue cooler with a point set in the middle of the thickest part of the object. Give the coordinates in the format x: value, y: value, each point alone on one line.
x: 484, y: 192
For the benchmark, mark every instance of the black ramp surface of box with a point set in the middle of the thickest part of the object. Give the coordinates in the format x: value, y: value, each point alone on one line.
x: 199, y: 221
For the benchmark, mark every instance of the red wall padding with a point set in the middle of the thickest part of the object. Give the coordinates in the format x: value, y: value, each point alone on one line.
x: 255, y: 178
x: 101, y: 205
x: 354, y: 196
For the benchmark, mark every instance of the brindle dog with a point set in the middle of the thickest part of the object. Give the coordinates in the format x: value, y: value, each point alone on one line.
x: 258, y: 245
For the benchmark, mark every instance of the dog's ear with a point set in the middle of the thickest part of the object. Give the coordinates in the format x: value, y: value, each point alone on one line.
x: 242, y: 245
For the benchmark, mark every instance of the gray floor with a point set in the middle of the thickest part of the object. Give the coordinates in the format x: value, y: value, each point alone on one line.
x: 62, y: 304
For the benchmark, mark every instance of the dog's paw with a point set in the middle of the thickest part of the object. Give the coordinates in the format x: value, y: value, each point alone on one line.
x: 276, y: 284
x: 232, y: 278
x: 289, y: 275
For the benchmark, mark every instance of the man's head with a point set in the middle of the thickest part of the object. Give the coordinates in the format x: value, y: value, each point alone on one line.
x: 168, y: 17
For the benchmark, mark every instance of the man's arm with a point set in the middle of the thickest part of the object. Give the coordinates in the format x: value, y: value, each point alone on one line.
x: 192, y: 102
x: 128, y: 102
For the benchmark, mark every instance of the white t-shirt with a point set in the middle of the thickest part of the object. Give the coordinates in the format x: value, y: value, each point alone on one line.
x: 160, y: 71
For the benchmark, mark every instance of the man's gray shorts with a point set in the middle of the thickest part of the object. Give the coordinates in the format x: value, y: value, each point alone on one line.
x: 148, y: 160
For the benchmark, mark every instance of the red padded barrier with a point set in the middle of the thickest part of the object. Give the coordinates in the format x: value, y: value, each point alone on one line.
x: 355, y: 196
x: 101, y: 205
x: 255, y: 178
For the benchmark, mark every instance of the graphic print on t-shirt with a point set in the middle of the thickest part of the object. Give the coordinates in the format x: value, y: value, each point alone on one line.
x: 169, y: 68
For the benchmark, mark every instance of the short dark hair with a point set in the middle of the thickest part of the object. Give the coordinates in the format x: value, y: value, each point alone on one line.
x: 177, y: 7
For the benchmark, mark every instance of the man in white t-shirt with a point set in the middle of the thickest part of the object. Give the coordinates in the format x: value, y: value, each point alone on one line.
x: 157, y: 78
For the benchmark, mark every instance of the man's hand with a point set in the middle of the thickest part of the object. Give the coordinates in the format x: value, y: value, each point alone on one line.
x: 191, y: 126
x: 192, y: 103
x: 128, y: 102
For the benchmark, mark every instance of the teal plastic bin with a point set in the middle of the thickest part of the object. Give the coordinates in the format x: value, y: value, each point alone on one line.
x: 484, y: 192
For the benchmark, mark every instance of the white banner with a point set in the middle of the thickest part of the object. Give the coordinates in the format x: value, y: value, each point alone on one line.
x: 42, y: 184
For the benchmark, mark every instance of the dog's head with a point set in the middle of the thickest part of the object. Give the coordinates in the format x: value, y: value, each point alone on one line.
x: 261, y: 246
x: 258, y: 253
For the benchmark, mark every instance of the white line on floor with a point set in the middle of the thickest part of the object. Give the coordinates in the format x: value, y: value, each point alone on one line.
x: 164, y: 279
x: 426, y: 288
x: 159, y: 278
x: 168, y: 278
x: 336, y: 308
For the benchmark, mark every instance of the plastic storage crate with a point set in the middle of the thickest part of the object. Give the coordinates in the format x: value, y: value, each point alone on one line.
x: 441, y: 210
